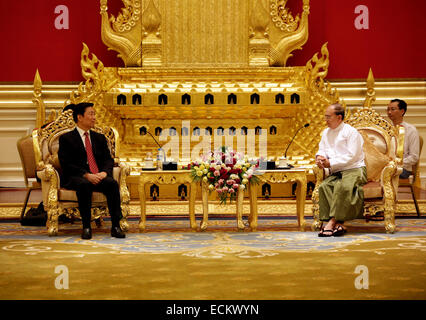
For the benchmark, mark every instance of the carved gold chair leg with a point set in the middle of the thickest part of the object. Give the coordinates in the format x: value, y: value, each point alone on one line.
x: 98, y: 222
x: 316, y: 224
x: 52, y: 222
x: 124, y: 225
x: 389, y: 221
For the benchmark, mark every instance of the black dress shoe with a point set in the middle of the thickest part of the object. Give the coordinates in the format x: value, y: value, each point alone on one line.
x: 87, y: 234
x: 117, y: 232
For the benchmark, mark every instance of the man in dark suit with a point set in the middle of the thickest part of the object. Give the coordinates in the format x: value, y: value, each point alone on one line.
x: 87, y: 165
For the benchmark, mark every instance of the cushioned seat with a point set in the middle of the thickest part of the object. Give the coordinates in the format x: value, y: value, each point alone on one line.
x: 373, y: 189
x: 70, y: 195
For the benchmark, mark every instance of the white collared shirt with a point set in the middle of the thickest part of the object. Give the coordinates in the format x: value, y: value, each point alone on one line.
x: 342, y: 146
x: 83, y: 137
x: 411, y: 146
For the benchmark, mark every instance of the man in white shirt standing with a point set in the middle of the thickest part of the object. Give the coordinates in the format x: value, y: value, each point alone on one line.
x: 396, y: 111
x: 340, y: 154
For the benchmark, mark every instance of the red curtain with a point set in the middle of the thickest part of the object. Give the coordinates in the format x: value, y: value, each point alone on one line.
x: 393, y: 46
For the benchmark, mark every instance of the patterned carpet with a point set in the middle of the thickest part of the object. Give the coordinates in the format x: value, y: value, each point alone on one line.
x: 169, y: 261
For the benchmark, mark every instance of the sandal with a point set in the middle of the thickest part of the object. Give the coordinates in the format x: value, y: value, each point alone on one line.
x: 339, y: 231
x: 324, y: 231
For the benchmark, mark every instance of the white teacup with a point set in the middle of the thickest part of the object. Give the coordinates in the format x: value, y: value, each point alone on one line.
x: 149, y: 163
x: 282, y: 162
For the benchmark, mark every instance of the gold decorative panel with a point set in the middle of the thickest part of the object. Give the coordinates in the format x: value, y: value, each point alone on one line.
x: 199, y: 33
x: 205, y: 33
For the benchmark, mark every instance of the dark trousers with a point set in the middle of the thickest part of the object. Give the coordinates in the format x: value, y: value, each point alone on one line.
x: 84, y: 189
x: 405, y: 174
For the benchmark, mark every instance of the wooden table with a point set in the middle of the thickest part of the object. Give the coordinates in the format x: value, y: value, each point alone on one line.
x: 267, y: 176
x: 167, y: 177
x: 205, y: 197
x: 280, y: 176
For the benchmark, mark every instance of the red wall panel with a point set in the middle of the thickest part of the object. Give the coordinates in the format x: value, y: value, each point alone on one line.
x: 393, y: 46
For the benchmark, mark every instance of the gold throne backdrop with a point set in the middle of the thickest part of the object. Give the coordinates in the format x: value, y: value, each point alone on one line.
x: 209, y: 66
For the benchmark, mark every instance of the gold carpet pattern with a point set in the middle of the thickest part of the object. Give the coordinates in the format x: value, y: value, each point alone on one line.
x: 169, y: 262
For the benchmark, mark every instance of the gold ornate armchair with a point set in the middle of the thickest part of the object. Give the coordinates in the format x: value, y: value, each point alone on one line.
x: 383, y: 148
x: 57, y: 200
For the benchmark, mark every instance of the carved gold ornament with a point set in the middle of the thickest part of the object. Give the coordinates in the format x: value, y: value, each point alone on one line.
x: 282, y: 17
x: 291, y: 39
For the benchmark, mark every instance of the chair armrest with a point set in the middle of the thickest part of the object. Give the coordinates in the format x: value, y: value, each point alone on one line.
x: 390, y: 171
x: 319, y: 174
x: 389, y: 179
x: 319, y: 177
x: 50, y: 183
x: 122, y: 172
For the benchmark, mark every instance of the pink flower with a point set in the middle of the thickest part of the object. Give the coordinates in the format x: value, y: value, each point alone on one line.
x: 224, y: 189
x: 230, y: 182
x: 235, y: 186
x: 231, y: 190
x: 221, y: 181
x: 217, y: 173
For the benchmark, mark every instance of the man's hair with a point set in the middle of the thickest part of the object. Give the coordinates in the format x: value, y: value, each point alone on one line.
x: 79, y: 109
x: 69, y: 107
x: 401, y: 104
x: 339, y: 110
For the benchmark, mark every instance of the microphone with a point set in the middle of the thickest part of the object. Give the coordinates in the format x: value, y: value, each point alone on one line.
x: 164, y: 154
x: 304, y: 126
x: 167, y: 165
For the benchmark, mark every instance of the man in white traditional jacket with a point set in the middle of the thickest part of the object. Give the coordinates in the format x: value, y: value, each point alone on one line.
x: 340, y: 154
x: 396, y: 111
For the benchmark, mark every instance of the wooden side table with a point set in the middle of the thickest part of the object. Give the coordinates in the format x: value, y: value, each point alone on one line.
x: 167, y: 177
x: 239, y: 207
x: 280, y: 176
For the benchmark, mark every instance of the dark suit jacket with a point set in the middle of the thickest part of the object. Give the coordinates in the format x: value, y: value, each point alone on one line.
x: 73, y: 157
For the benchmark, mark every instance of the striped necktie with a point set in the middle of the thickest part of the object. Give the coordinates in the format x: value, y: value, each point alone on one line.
x: 90, y: 157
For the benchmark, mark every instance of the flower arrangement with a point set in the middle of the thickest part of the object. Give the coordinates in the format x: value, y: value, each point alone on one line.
x: 226, y: 172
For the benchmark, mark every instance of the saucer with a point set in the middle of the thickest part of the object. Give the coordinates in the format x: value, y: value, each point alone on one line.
x: 284, y: 168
